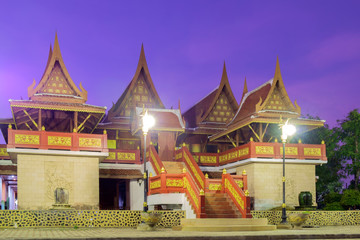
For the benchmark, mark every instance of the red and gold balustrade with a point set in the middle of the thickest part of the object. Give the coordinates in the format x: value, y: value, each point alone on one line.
x: 3, y: 152
x: 262, y: 150
x: 153, y: 157
x: 185, y: 156
x: 123, y: 156
x: 57, y: 140
x: 234, y: 186
x: 179, y: 183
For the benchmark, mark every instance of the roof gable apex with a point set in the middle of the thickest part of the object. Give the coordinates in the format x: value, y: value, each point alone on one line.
x: 277, y: 98
x: 140, y: 91
x: 55, y: 67
x: 224, y: 87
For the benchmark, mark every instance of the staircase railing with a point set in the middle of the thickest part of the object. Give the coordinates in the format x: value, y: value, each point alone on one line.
x: 241, y: 198
x: 154, y: 159
x: 184, y: 155
x: 179, y: 183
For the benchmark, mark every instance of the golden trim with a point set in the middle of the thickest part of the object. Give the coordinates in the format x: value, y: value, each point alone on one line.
x: 312, y: 152
x: 27, y: 139
x: 174, y: 183
x: 264, y: 150
x: 155, y: 184
x: 59, y: 141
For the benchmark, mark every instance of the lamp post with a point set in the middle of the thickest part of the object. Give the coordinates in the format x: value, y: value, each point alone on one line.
x: 287, y: 130
x: 148, y: 122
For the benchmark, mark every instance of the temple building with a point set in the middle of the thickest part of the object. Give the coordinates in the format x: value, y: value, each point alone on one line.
x: 220, y: 158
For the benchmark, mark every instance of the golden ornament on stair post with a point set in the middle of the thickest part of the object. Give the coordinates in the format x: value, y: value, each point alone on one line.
x: 148, y: 122
x: 286, y: 130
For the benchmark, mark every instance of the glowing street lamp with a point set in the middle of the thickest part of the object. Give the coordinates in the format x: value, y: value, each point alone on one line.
x: 148, y: 122
x: 287, y: 130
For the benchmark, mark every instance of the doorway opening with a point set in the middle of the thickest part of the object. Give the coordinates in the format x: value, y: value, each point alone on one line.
x: 114, y: 194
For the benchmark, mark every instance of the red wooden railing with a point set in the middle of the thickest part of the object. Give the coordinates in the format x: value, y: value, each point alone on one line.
x: 240, y: 198
x: 216, y: 185
x: 57, y: 140
x: 179, y: 183
x: 123, y: 156
x: 262, y: 150
x: 155, y: 160
x: 184, y: 155
x: 3, y: 152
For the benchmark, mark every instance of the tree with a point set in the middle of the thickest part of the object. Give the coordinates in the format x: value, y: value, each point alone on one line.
x: 350, y: 198
x: 329, y: 174
x: 349, y: 136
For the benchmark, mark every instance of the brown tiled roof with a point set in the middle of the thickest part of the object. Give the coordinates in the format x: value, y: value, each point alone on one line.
x: 142, y: 68
x: 193, y: 115
x: 201, y: 110
x: 165, y: 119
x: 249, y: 101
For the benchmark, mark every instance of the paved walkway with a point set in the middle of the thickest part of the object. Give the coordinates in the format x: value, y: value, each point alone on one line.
x: 329, y: 232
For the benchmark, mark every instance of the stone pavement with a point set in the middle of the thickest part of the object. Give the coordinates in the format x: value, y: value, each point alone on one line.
x: 328, y: 232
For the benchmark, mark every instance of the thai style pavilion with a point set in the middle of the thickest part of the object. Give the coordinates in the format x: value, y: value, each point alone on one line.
x: 220, y: 158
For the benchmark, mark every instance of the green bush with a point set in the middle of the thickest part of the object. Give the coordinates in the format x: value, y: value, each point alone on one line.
x: 332, y: 197
x: 334, y: 206
x: 350, y: 198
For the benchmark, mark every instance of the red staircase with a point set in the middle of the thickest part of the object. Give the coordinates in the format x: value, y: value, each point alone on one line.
x: 218, y: 205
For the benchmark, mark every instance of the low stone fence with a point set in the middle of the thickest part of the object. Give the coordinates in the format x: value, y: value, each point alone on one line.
x: 85, y: 218
x: 316, y: 218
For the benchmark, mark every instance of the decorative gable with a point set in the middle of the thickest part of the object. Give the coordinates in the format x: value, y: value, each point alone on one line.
x: 140, y: 96
x: 277, y: 102
x: 140, y: 92
x: 57, y: 83
x: 222, y: 111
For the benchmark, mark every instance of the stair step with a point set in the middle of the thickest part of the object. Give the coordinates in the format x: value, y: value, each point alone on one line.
x: 224, y: 221
x: 229, y: 228
x: 217, y: 207
x: 225, y: 224
x: 219, y: 211
x: 217, y: 216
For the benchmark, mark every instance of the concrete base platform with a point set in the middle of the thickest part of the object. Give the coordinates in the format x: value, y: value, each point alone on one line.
x: 331, y: 232
x: 224, y: 225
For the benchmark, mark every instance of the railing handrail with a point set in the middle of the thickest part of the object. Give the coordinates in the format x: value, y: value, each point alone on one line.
x: 182, y: 183
x: 123, y: 156
x: 265, y: 150
x: 155, y: 160
x: 241, y: 201
x: 193, y: 168
x: 47, y: 140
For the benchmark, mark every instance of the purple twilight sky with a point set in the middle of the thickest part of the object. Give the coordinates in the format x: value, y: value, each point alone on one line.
x: 186, y: 43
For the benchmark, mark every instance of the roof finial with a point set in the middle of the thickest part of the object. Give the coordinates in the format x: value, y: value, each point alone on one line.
x: 277, y: 75
x: 142, y: 53
x: 224, y: 76
x: 245, y: 90
x: 56, y: 50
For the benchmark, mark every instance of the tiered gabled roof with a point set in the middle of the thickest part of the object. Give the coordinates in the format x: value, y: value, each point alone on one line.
x: 56, y: 91
x: 140, y: 92
x: 269, y: 103
x: 216, y: 109
x: 269, y: 98
x: 56, y: 84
